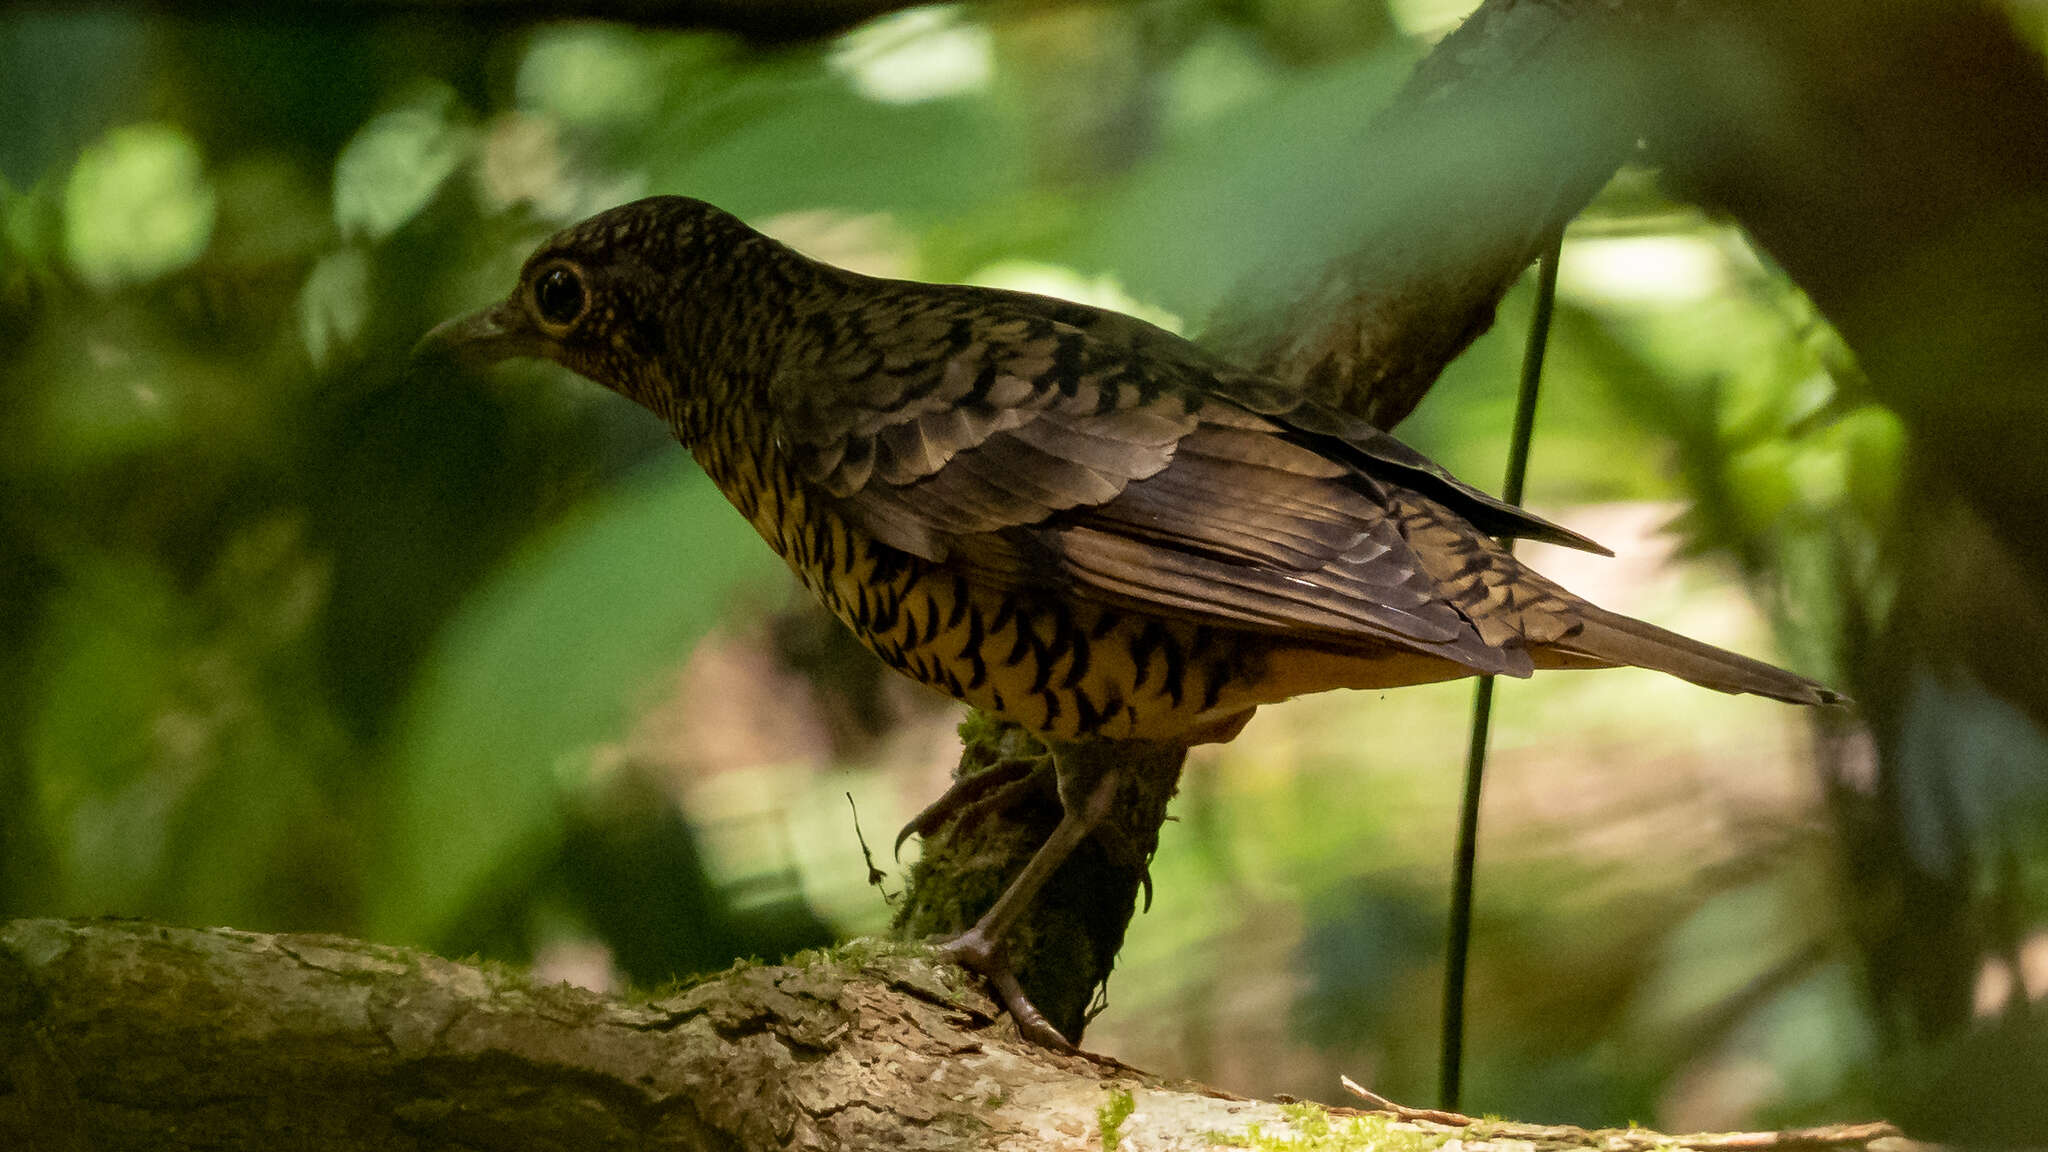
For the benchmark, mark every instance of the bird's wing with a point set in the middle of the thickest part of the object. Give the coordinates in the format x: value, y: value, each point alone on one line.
x: 931, y: 416
x: 1333, y: 431
x: 1019, y: 444
x: 1248, y: 527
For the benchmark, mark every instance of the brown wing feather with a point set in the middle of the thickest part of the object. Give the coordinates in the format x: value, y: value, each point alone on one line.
x: 973, y: 420
x: 1258, y: 531
x: 1109, y: 459
x: 1168, y: 357
x: 1507, y: 602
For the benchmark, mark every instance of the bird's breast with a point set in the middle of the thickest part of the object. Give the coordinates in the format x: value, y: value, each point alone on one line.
x: 1063, y: 666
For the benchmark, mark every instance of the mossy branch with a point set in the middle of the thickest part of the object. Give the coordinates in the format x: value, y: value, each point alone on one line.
x: 118, y: 1035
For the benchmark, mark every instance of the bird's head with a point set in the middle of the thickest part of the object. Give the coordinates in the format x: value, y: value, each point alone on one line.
x: 621, y: 299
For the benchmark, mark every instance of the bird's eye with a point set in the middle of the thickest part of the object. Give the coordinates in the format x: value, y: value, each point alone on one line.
x: 558, y: 295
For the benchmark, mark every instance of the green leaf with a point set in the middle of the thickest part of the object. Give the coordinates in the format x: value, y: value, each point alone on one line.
x: 548, y: 660
x: 600, y: 74
x: 137, y: 206
x: 397, y: 162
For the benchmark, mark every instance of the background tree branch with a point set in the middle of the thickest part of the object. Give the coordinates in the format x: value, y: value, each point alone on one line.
x: 1505, y: 131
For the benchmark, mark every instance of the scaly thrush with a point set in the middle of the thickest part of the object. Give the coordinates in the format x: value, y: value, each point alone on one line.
x: 1060, y: 514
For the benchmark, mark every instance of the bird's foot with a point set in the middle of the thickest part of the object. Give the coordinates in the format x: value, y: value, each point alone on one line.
x: 972, y: 799
x: 976, y: 952
x: 1002, y: 786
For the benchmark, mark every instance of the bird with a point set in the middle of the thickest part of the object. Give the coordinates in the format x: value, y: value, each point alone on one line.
x: 1060, y: 514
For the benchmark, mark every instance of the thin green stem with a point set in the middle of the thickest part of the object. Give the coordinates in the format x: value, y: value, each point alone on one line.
x: 1460, y: 937
x: 1532, y: 375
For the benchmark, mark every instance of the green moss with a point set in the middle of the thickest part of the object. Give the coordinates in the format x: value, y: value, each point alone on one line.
x: 1111, y: 1116
x: 979, y: 727
x: 1382, y: 1134
x: 1311, y: 1129
x: 1310, y: 1121
x: 859, y: 952
x: 852, y: 955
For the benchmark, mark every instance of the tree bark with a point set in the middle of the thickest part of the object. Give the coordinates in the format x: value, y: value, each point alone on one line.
x: 119, y: 1035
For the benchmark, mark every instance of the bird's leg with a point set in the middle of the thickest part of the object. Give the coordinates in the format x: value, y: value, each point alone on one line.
x: 981, y: 949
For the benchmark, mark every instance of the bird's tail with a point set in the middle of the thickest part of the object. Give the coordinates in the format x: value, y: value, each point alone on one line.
x: 1609, y: 639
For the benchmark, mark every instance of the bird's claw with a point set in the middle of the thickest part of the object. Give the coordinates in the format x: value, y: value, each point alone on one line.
x: 974, y: 951
x: 1124, y: 855
x: 971, y: 799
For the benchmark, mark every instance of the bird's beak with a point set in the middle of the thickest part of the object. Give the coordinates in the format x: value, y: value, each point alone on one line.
x: 483, y: 337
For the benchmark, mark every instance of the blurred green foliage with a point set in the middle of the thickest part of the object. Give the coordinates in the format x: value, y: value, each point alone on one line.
x: 292, y: 637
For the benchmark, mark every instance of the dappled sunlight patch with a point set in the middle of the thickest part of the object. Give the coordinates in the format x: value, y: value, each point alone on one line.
x: 871, y: 243
x: 334, y: 304
x: 579, y: 960
x: 917, y: 54
x: 137, y: 206
x: 1219, y: 73
x: 2021, y: 977
x: 1651, y: 271
x: 1430, y: 19
x: 592, y: 74
x: 522, y: 163
x: 397, y: 162
x: 1104, y: 291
